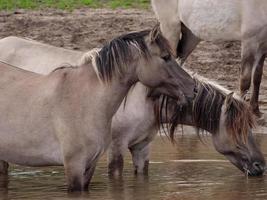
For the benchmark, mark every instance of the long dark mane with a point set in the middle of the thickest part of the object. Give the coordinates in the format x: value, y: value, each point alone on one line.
x: 206, y: 112
x: 117, y: 54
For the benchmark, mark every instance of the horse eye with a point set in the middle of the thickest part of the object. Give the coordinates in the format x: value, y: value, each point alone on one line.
x: 166, y: 57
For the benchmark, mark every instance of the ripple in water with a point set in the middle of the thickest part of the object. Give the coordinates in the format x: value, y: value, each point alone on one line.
x: 188, y: 171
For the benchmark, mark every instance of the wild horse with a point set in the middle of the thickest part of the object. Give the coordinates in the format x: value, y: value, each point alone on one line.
x: 215, y: 20
x: 136, y: 122
x: 64, y: 118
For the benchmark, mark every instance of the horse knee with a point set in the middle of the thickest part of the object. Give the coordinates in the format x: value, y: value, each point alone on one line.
x: 140, y: 159
x: 115, y: 156
x: 79, y: 179
x: 79, y: 171
x: 115, y: 166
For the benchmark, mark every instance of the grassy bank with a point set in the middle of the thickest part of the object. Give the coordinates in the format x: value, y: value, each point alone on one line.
x: 71, y: 4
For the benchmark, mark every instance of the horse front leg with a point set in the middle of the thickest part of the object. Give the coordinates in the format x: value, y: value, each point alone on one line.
x: 257, y: 77
x: 115, y: 158
x: 3, y: 168
x: 3, y: 175
x: 140, y: 157
x: 79, y: 169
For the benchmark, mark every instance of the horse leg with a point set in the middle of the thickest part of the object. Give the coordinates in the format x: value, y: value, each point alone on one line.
x: 170, y: 23
x: 246, y: 69
x: 79, y: 169
x: 140, y: 157
x: 115, y: 159
x: 3, y: 168
x: 187, y: 44
x: 3, y: 174
x: 257, y: 76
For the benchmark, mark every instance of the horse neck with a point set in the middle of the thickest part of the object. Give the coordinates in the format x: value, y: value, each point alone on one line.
x: 107, y: 95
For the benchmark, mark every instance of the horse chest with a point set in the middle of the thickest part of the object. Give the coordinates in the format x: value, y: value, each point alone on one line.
x: 212, y: 20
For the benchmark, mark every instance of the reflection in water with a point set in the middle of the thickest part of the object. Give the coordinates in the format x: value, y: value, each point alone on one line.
x: 190, y: 170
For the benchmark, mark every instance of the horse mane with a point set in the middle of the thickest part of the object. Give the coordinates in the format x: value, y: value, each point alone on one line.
x: 206, y: 110
x: 116, y: 55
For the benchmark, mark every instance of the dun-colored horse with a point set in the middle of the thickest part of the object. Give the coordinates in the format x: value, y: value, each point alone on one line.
x: 64, y: 118
x: 215, y: 20
x: 135, y: 124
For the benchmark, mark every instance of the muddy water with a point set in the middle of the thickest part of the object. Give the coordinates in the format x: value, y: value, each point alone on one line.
x: 191, y: 170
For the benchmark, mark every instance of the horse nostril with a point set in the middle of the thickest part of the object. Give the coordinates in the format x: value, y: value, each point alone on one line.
x: 258, y: 166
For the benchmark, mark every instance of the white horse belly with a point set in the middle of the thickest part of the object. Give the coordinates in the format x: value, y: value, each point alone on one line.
x: 212, y: 20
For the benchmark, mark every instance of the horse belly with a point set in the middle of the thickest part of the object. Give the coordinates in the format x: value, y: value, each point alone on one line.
x: 212, y: 20
x: 27, y: 150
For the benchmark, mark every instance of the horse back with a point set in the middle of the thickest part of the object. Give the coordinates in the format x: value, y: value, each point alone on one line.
x: 12, y: 74
x: 35, y: 56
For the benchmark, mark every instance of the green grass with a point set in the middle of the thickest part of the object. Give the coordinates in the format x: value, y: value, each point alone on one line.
x: 71, y: 4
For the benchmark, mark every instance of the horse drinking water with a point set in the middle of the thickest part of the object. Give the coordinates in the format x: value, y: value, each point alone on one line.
x: 135, y: 124
x: 216, y: 20
x: 64, y: 118
x: 214, y: 109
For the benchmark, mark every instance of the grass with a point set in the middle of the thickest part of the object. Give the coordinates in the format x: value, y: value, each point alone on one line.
x: 71, y: 4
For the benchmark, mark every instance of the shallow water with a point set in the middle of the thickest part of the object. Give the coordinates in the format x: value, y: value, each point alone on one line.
x: 188, y: 171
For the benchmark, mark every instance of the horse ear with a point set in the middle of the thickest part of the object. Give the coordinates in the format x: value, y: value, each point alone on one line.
x: 155, y: 32
x: 229, y: 99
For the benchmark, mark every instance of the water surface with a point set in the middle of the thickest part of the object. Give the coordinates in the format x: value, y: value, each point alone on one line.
x: 188, y: 171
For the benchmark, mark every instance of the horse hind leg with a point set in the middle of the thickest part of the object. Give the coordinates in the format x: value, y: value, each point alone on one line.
x: 140, y: 157
x: 251, y: 71
x: 257, y: 77
x: 246, y: 69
